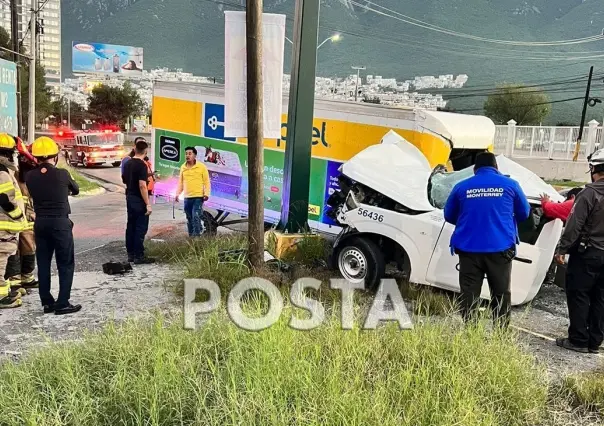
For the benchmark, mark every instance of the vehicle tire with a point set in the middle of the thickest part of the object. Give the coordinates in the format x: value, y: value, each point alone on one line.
x: 360, y: 260
x: 117, y: 164
x: 209, y: 224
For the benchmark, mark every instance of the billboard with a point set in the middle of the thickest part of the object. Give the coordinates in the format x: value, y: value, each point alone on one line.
x: 100, y: 58
x: 8, y: 97
x: 235, y: 71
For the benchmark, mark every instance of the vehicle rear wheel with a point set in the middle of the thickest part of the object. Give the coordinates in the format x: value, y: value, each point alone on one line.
x: 360, y: 260
x: 117, y: 164
x: 209, y: 224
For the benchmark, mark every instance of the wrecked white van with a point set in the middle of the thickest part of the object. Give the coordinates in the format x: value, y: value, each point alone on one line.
x: 391, y: 209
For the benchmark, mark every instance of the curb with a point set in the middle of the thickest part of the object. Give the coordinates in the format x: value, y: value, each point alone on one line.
x: 92, y: 192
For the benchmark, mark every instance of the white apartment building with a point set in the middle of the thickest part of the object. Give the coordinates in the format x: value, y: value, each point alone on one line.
x: 49, y: 37
x: 49, y: 43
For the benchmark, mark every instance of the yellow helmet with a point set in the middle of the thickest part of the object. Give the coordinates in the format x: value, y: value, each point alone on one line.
x: 7, y: 141
x: 44, y: 147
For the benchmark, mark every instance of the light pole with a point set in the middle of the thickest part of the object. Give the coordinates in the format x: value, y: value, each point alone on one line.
x: 356, y: 86
x: 334, y: 38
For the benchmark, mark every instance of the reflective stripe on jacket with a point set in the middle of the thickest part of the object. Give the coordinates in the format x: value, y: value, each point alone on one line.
x: 14, y: 221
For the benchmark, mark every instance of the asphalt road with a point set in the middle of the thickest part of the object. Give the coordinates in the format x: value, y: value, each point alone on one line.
x: 101, y: 219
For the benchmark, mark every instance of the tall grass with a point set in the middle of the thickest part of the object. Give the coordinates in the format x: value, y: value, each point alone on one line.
x: 160, y: 374
x: 587, y: 389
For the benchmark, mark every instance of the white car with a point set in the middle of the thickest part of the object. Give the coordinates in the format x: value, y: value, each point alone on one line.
x: 390, y: 206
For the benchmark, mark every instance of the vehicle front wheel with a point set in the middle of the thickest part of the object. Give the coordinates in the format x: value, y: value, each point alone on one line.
x: 360, y: 260
x: 117, y: 164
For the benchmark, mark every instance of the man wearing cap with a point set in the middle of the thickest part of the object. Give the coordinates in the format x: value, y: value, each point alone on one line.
x: 485, y: 210
x: 583, y: 242
x: 49, y: 189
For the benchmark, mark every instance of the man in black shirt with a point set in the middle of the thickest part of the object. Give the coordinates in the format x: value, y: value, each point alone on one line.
x: 49, y: 189
x: 138, y: 205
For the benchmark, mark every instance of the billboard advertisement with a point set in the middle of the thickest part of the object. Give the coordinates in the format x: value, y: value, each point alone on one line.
x: 235, y: 71
x: 226, y: 158
x: 100, y: 58
x: 8, y: 97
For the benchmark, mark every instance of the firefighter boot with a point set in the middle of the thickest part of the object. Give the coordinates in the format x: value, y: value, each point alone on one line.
x: 9, y: 299
x: 15, y: 286
x: 28, y: 265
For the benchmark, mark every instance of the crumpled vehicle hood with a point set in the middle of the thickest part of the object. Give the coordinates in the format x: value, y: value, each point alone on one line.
x: 400, y: 171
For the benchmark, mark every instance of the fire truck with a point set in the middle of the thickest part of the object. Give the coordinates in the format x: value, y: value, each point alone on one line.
x: 92, y: 147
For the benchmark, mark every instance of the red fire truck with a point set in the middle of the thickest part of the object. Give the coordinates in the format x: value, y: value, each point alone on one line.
x: 92, y: 147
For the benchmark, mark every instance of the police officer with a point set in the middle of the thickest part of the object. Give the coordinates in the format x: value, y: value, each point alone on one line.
x: 583, y: 241
x: 49, y: 189
x: 485, y: 210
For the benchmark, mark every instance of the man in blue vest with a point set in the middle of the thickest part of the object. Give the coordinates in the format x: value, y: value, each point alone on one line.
x: 486, y: 210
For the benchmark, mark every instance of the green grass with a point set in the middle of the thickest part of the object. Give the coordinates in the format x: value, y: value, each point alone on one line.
x: 84, y: 183
x: 587, y: 390
x: 566, y: 183
x: 158, y: 374
x: 200, y: 258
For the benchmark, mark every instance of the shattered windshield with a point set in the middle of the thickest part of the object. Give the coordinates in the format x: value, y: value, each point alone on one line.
x: 442, y: 183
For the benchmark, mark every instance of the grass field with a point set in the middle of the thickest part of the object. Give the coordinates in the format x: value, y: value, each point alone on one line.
x: 160, y: 374
x: 84, y: 184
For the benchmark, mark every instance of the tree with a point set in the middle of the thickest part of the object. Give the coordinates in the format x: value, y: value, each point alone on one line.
x: 5, y: 43
x: 61, y: 109
x: 43, y: 97
x: 113, y: 105
x: 527, y: 106
x: 42, y: 92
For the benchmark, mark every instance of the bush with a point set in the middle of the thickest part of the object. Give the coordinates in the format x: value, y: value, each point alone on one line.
x: 158, y: 374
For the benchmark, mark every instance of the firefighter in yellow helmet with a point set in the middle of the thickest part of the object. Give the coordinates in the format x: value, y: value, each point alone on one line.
x: 21, y: 266
x: 12, y: 219
x: 49, y: 189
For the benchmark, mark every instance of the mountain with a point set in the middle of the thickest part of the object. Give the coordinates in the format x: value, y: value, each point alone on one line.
x: 189, y: 34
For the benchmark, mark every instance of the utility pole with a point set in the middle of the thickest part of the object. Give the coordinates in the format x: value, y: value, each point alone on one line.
x: 14, y: 19
x: 576, y: 155
x: 298, y: 149
x: 356, y: 85
x: 32, y: 73
x: 255, y: 132
x: 69, y: 113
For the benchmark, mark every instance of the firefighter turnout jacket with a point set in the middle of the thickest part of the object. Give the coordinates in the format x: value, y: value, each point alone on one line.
x: 12, y: 208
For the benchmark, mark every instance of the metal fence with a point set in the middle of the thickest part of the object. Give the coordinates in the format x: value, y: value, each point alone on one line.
x: 546, y: 142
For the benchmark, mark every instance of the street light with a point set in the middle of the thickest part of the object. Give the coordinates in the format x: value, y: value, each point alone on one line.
x: 356, y: 86
x: 334, y: 38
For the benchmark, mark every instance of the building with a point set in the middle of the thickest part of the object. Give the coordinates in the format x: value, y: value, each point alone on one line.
x: 49, y: 34
x: 49, y: 43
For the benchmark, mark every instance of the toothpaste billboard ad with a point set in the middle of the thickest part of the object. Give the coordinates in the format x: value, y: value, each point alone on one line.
x: 100, y: 58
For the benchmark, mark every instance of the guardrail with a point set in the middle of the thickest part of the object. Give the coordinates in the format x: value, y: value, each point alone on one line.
x: 550, y: 142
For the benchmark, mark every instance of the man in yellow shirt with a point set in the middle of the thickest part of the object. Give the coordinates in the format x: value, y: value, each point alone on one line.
x: 194, y: 180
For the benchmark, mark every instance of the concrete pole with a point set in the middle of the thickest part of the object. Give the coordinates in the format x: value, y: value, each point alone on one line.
x: 509, y: 148
x: 591, y: 137
x: 32, y: 74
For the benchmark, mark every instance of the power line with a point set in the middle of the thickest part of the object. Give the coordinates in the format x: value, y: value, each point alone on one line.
x: 416, y: 22
x: 525, y: 106
x: 448, y: 50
